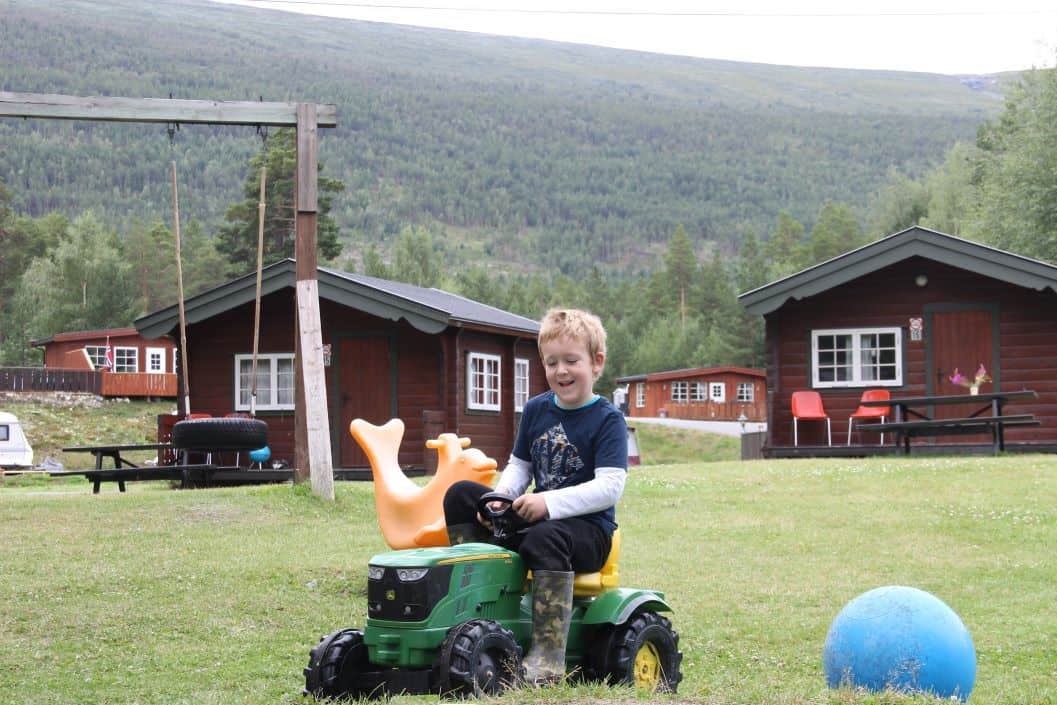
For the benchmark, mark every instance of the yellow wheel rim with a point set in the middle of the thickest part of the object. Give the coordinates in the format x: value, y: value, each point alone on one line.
x: 647, y: 667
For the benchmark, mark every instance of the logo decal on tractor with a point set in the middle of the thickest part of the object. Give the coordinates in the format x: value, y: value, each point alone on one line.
x: 390, y: 595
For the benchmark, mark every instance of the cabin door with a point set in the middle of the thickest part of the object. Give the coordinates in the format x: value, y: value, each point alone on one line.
x: 367, y: 390
x: 961, y: 339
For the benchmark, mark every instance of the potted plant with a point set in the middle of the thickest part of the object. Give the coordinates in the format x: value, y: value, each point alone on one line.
x: 973, y: 384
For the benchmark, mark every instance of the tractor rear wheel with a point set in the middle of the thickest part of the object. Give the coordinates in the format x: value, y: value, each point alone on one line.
x: 644, y: 652
x: 478, y: 657
x: 335, y: 664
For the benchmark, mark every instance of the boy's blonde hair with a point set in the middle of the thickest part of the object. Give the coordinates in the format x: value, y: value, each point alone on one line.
x: 576, y: 324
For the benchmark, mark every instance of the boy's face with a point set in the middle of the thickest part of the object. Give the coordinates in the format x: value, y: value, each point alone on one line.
x: 571, y: 370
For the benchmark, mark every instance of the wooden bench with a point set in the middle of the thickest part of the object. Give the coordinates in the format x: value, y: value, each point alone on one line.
x: 187, y: 475
x: 122, y: 475
x: 905, y: 430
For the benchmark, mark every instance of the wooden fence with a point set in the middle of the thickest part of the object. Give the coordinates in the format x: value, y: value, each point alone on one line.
x: 46, y: 379
x: 107, y: 384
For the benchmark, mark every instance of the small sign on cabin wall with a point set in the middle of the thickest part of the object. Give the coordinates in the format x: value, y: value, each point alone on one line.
x: 917, y: 329
x: 326, y: 354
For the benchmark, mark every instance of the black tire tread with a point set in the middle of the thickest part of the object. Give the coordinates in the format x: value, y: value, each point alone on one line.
x: 613, y: 657
x: 454, y: 670
x: 334, y: 664
x: 221, y: 433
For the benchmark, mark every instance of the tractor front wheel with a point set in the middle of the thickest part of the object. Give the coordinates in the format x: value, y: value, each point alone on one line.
x: 644, y: 652
x: 478, y: 657
x: 335, y: 664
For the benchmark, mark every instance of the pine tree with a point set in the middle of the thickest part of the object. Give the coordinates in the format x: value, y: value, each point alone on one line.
x: 237, y: 239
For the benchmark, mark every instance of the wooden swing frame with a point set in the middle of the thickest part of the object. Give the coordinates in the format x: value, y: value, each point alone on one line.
x: 312, y: 455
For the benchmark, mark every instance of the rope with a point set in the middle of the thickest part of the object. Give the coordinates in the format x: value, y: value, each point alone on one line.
x: 263, y: 133
x: 172, y: 129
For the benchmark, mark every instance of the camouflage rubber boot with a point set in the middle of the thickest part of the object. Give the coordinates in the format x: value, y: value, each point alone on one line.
x: 466, y: 533
x: 552, y: 608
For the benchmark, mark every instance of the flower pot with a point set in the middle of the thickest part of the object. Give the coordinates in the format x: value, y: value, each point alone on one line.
x: 974, y: 390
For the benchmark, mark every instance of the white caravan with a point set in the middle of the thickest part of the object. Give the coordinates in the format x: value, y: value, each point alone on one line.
x: 15, y: 450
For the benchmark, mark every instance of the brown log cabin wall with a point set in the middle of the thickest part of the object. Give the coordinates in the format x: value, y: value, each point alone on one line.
x: 430, y: 374
x: 490, y: 431
x: 67, y: 355
x: 1027, y: 333
x: 659, y: 396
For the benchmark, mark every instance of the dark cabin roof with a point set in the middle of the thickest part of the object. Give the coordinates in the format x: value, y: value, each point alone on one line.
x: 912, y: 242
x: 428, y: 310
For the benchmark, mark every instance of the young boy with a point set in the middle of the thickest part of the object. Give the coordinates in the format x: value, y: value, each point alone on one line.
x: 572, y: 445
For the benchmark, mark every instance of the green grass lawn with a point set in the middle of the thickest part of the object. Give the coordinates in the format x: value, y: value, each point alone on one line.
x: 216, y: 596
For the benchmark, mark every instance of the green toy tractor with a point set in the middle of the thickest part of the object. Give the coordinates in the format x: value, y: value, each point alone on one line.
x: 456, y: 621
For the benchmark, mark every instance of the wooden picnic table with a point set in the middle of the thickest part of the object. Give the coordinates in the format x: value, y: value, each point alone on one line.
x: 989, y: 416
x: 123, y: 470
x: 114, y: 452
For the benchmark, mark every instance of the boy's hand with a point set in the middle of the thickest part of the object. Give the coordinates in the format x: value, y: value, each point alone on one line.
x: 531, y: 507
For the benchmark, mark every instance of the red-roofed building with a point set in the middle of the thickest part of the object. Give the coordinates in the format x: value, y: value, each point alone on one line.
x: 141, y: 367
x: 700, y: 393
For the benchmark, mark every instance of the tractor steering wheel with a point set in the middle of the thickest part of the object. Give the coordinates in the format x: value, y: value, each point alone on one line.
x: 505, y: 521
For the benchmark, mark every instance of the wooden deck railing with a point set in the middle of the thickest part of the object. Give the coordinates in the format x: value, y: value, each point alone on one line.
x: 138, y: 384
x: 716, y: 411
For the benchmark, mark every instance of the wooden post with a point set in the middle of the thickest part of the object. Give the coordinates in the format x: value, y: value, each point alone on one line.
x: 312, y: 424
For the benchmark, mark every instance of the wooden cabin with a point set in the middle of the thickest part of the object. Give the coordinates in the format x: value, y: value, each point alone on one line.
x: 440, y: 362
x: 700, y: 393
x: 901, y: 314
x: 138, y: 367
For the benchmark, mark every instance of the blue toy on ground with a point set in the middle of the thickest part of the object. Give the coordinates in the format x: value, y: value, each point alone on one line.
x: 260, y: 456
x: 903, y: 639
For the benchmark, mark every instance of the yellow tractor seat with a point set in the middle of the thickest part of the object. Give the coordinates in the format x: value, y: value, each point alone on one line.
x: 608, y: 577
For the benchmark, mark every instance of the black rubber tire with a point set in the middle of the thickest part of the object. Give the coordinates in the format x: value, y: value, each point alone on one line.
x: 220, y: 434
x: 335, y: 664
x: 615, y: 649
x: 478, y: 657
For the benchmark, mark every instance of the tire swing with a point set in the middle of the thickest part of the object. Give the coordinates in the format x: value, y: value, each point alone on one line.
x: 208, y: 434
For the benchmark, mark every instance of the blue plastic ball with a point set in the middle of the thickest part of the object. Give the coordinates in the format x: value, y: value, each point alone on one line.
x: 903, y: 639
x: 261, y: 455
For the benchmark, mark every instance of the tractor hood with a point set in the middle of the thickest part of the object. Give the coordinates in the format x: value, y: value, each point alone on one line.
x: 443, y: 556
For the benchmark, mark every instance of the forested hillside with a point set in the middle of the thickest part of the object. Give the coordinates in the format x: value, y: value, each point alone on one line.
x: 550, y: 155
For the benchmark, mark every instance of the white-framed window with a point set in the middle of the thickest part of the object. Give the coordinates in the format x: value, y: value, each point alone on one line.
x: 155, y: 359
x: 97, y: 354
x: 521, y: 383
x: 126, y: 359
x: 697, y: 391
x: 717, y: 392
x: 746, y: 392
x: 640, y: 395
x: 680, y: 392
x: 275, y: 381
x: 175, y: 360
x: 482, y: 381
x: 857, y: 357
x: 5, y: 432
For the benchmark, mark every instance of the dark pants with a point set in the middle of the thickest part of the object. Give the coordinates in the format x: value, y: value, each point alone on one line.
x: 554, y: 544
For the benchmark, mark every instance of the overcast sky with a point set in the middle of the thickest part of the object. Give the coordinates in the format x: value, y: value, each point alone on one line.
x: 941, y: 36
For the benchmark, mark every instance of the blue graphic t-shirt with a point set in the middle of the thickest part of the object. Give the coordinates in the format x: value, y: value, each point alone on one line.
x: 566, y: 445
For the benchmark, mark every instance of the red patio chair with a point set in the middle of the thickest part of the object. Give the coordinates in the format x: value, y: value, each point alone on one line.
x: 807, y: 406
x: 871, y: 413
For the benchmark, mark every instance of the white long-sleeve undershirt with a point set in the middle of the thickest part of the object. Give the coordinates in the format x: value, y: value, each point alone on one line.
x: 592, y: 496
